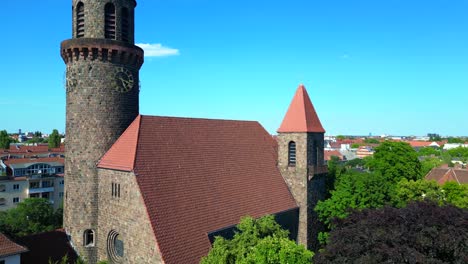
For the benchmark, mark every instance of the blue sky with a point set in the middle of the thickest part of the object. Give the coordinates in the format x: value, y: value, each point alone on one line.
x: 383, y: 67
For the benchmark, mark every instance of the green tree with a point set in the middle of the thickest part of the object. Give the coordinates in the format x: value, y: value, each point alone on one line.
x: 395, y: 161
x: 460, y: 152
x: 419, y: 233
x: 5, y: 140
x: 456, y: 194
x: 371, y: 141
x: 429, y: 151
x: 355, y: 191
x: 54, y: 139
x: 340, y: 137
x: 355, y: 145
x: 428, y: 164
x: 455, y: 140
x: 33, y: 215
x: 257, y: 241
x: 408, y: 191
x: 422, y: 190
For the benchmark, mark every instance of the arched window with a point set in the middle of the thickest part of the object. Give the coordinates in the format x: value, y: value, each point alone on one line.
x: 115, y: 246
x: 292, y: 153
x: 80, y: 21
x: 88, y: 239
x: 109, y: 23
x: 125, y: 24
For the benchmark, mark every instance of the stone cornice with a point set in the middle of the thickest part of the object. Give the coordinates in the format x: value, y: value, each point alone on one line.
x: 103, y: 50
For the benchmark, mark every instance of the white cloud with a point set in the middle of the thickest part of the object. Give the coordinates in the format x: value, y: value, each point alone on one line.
x: 157, y: 50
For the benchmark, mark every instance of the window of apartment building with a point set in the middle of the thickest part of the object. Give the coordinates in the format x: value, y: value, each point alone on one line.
x: 88, y: 238
x: 61, y: 182
x: 2, y: 261
x: 47, y: 184
x: 15, y: 186
x: 2, y: 201
x: 33, y: 185
x: 292, y: 153
x: 16, y: 200
x: 2, y: 188
x: 61, y: 194
x: 116, y: 190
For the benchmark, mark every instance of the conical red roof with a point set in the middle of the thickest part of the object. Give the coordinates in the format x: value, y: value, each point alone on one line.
x: 301, y: 115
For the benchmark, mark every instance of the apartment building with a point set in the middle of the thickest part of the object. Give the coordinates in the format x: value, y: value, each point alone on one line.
x: 31, y: 177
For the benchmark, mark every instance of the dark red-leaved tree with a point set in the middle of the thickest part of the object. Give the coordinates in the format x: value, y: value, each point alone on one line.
x: 419, y: 233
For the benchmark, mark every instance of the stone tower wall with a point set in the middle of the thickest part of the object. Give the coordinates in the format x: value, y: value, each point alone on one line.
x: 306, y: 180
x: 97, y: 113
x: 94, y: 20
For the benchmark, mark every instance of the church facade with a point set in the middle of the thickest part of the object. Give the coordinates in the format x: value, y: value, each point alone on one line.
x: 152, y: 189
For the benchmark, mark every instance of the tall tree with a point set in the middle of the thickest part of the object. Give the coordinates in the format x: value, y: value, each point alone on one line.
x: 54, y: 139
x: 419, y: 233
x: 5, y: 140
x: 355, y: 190
x: 395, y: 161
x: 258, y: 241
x: 31, y: 216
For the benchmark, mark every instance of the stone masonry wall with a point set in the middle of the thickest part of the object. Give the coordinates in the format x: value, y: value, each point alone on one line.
x: 296, y: 177
x: 306, y: 180
x: 97, y: 114
x: 126, y: 215
x: 94, y: 18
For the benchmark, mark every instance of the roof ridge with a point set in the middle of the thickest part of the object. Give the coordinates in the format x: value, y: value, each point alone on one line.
x: 456, y: 177
x: 138, y: 140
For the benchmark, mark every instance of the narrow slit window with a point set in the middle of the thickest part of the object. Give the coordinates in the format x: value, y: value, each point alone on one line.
x: 80, y: 20
x: 112, y: 189
x: 109, y: 23
x: 292, y: 153
x: 125, y: 25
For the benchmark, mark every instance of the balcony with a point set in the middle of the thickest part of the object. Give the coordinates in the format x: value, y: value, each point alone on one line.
x: 40, y: 190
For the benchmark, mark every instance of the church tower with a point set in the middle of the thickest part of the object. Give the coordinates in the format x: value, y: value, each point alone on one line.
x: 301, y: 162
x: 102, y: 89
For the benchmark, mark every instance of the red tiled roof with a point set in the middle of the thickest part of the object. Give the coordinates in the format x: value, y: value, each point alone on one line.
x: 42, y: 148
x: 9, y: 248
x: 416, y: 144
x: 51, y: 245
x: 443, y: 175
x: 199, y: 175
x: 329, y: 153
x: 121, y: 156
x: 301, y: 115
x: 33, y: 160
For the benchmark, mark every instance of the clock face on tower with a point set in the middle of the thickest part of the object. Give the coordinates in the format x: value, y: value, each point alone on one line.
x: 123, y: 80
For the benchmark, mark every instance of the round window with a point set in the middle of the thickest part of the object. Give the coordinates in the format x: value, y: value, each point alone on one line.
x: 115, y: 246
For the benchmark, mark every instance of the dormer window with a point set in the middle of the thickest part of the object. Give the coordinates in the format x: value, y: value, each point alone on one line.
x: 292, y: 153
x: 80, y: 21
x: 109, y: 23
x: 125, y: 25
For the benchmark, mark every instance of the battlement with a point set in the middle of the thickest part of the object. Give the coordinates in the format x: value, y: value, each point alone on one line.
x: 102, y: 50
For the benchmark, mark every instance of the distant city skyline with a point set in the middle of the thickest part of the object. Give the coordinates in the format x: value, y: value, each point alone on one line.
x: 382, y: 67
